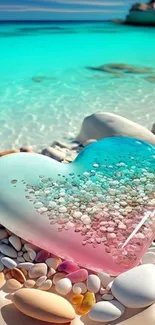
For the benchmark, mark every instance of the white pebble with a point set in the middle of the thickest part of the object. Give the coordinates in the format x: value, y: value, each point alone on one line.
x: 106, y: 311
x: 27, y: 257
x: 20, y: 259
x: 32, y: 254
x: 148, y: 258
x: 86, y: 220
x: 77, y: 214
x: 93, y: 283
x: 46, y: 285
x: 25, y: 265
x: 42, y: 210
x: 62, y: 209
x: 8, y: 262
x: 105, y: 278
x: 79, y: 288
x: 15, y: 242
x: 38, y: 205
x: 108, y: 296
x: 8, y: 251
x: 63, y: 286
x: 41, y: 280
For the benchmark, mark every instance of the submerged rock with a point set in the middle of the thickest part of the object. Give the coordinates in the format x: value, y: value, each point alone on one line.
x: 150, y: 78
x: 120, y: 69
x: 103, y: 125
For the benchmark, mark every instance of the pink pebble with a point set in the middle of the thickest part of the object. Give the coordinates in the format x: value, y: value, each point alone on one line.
x: 111, y: 235
x: 78, y: 276
x: 42, y: 256
x: 68, y: 267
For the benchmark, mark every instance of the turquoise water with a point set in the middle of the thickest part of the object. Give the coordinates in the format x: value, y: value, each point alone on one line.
x: 46, y: 90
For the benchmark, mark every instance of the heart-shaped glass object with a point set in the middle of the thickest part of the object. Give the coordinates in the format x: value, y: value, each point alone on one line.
x: 97, y: 211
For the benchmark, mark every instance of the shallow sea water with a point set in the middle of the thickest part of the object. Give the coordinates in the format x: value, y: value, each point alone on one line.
x: 34, y: 112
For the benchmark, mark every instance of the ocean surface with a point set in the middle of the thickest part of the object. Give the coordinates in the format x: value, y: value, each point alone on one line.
x: 46, y: 89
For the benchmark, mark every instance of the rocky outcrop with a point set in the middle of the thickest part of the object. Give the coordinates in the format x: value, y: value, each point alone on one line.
x: 142, y: 14
x: 120, y: 69
x: 103, y: 125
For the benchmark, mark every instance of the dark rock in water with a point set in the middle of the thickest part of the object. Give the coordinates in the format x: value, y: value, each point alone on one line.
x: 42, y: 78
x: 150, y: 78
x: 120, y: 69
x: 153, y: 128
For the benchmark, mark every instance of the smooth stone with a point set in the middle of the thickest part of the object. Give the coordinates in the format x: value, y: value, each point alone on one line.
x: 63, y: 286
x: 58, y: 276
x: 2, y: 279
x: 13, y: 284
x: 38, y: 270
x: 51, y: 272
x: 105, y: 278
x: 18, y: 275
x: 148, y: 258
x: 53, y: 262
x: 46, y: 285
x: 32, y: 254
x: 79, y: 288
x: 103, y: 124
x: 68, y: 267
x: 8, y: 250
x: 93, y: 283
x: 1, y: 267
x: 136, y: 287
x: 15, y: 242
x: 27, y: 257
x: 54, y: 153
x: 106, y: 311
x: 8, y: 262
x: 29, y: 283
x: 20, y: 259
x: 41, y: 280
x: 78, y: 276
x: 5, y: 241
x: 25, y: 265
x: 44, y: 306
x: 108, y: 297
x: 3, y: 234
x: 42, y: 256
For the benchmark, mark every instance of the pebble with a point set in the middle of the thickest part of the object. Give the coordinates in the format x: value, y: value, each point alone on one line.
x: 27, y: 257
x: 53, y: 262
x: 93, y: 283
x: 79, y: 288
x: 41, y: 280
x: 25, y: 265
x: 58, y: 276
x: 135, y: 288
x: 77, y: 299
x: 63, y: 286
x: 46, y: 285
x: 2, y: 279
x: 42, y: 256
x: 44, y: 306
x: 3, y: 234
x: 148, y: 258
x: 13, y: 284
x: 78, y: 276
x: 8, y: 275
x: 51, y: 272
x: 38, y: 270
x: 20, y: 259
x: 107, y: 297
x: 105, y: 278
x: 29, y: 283
x: 8, y: 251
x: 1, y: 267
x: 106, y: 311
x: 32, y: 254
x: 68, y: 267
x: 8, y: 262
x: 15, y: 242
x: 87, y: 303
x: 18, y: 275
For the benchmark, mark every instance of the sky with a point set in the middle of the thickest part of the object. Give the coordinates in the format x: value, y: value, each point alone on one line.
x: 64, y: 9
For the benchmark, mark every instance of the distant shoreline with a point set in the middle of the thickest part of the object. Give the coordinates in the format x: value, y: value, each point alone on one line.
x: 59, y: 21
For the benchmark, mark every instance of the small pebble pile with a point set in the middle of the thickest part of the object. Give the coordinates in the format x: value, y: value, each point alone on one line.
x: 46, y: 282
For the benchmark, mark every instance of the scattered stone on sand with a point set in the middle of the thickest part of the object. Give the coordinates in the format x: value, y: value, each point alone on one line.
x: 103, y: 125
x: 44, y: 306
x: 106, y: 311
x: 136, y: 287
